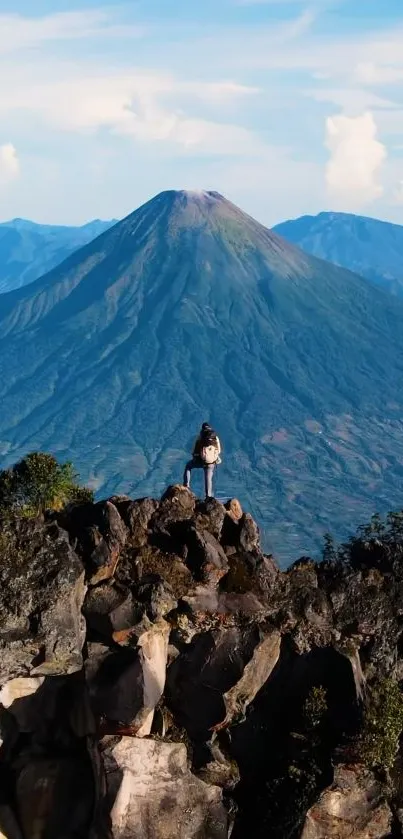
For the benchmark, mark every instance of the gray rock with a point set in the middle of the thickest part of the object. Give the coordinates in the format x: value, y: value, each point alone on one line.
x: 42, y: 590
x: 249, y: 536
x: 137, y: 516
x: 206, y: 558
x: 109, y: 608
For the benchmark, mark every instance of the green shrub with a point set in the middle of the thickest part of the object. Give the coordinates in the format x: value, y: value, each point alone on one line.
x: 39, y: 482
x: 377, y: 544
x: 378, y: 742
x: 315, y: 707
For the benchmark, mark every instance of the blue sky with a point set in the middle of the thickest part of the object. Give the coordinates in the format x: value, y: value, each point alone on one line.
x: 285, y: 106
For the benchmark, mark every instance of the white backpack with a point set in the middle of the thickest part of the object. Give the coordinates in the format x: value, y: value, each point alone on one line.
x: 209, y: 454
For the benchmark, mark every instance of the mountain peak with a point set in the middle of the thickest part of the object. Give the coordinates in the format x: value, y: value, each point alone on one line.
x: 193, y: 195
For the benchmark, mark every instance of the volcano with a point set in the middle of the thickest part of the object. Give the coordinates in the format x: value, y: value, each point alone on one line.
x: 189, y: 310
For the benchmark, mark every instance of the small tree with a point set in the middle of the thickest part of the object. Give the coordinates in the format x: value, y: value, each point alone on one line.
x: 39, y: 482
x: 329, y: 552
x: 378, y: 743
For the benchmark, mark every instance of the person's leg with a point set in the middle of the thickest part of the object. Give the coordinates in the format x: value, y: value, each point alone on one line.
x: 208, y: 480
x: 188, y: 470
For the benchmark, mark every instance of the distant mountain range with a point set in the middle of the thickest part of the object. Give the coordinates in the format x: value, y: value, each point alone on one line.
x: 189, y: 310
x: 29, y: 250
x: 367, y: 246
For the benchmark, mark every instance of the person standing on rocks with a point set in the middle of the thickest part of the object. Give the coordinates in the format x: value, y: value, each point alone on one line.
x: 206, y: 455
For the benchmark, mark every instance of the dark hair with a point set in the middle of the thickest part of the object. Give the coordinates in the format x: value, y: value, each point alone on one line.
x: 206, y: 426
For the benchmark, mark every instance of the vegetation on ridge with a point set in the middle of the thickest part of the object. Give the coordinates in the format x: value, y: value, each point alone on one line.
x: 39, y: 482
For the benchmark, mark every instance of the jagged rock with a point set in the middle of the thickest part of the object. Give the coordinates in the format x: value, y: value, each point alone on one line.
x: 126, y: 683
x: 249, y: 538
x: 150, y: 561
x: 155, y: 794
x: 354, y: 807
x: 50, y: 707
x: 200, y: 680
x: 256, y: 672
x: 107, y: 550
x: 206, y: 600
x: 100, y: 534
x: 249, y: 574
x: 210, y: 515
x: 157, y: 596
x: 42, y: 591
x: 206, y: 558
x: 109, y: 608
x: 234, y: 509
x: 177, y: 504
x: 353, y: 656
x: 136, y: 516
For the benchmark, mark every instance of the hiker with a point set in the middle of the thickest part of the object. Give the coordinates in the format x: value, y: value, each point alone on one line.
x: 206, y: 455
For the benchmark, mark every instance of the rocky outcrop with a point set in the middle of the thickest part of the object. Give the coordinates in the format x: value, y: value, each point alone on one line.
x: 353, y: 806
x: 42, y: 590
x: 155, y: 794
x: 159, y: 676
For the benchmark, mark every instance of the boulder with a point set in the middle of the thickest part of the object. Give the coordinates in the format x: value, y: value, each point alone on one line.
x: 99, y: 534
x: 206, y: 600
x: 150, y: 561
x: 155, y: 794
x: 42, y: 591
x: 110, y: 608
x: 177, y: 504
x: 210, y: 515
x: 137, y: 516
x: 206, y: 558
x: 109, y: 543
x: 169, y: 523
x: 157, y: 597
x: 354, y: 807
x: 127, y: 682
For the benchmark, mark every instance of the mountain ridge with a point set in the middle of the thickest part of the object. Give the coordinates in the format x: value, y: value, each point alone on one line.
x: 368, y: 246
x: 28, y: 250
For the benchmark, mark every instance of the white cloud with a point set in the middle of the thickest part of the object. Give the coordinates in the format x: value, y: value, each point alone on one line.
x: 254, y: 94
x: 356, y: 157
x: 145, y: 106
x: 351, y: 99
x: 20, y: 33
x: 369, y: 73
x: 9, y: 163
